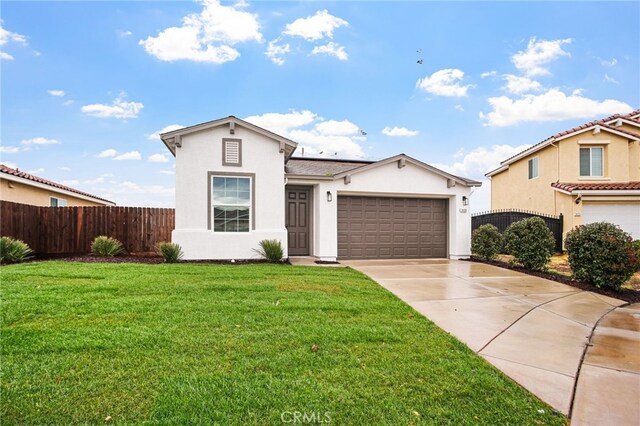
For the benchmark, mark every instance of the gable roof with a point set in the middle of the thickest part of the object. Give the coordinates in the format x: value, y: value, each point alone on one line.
x: 597, y: 125
x: 571, y: 187
x: 172, y: 139
x: 8, y: 171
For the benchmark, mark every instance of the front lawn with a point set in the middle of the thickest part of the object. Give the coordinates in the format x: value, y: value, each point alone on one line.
x: 225, y: 344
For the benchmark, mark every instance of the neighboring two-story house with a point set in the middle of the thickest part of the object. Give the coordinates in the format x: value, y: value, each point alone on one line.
x: 238, y: 184
x: 590, y: 173
x: 24, y: 188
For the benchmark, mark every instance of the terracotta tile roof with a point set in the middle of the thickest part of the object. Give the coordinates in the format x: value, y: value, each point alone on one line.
x: 601, y: 122
x: 321, y: 166
x: 570, y: 187
x: 23, y: 175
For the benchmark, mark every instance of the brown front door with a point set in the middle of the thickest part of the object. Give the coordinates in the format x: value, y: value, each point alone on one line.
x: 298, y: 201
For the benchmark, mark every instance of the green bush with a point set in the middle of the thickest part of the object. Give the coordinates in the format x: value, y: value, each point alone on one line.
x: 271, y: 250
x: 530, y: 242
x: 14, y: 251
x: 171, y: 252
x: 106, y: 246
x: 636, y: 249
x: 486, y: 242
x: 601, y: 254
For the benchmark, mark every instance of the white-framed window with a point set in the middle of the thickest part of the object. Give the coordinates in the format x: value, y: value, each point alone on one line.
x: 533, y: 168
x: 231, y: 203
x: 57, y: 202
x: 592, y: 161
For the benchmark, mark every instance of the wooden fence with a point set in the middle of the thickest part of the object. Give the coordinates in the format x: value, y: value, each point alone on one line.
x: 70, y: 230
x: 501, y: 219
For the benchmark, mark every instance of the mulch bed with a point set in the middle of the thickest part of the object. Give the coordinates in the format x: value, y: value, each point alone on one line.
x: 89, y: 258
x: 628, y: 295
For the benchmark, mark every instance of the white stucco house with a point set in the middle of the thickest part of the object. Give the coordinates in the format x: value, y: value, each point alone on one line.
x: 238, y: 184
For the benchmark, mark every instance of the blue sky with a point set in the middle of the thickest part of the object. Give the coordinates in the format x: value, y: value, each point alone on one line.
x: 86, y: 85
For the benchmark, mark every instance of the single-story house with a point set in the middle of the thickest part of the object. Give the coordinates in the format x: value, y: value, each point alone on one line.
x: 24, y: 188
x: 238, y: 184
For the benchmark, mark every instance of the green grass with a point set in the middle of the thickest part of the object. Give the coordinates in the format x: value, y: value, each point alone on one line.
x: 223, y: 344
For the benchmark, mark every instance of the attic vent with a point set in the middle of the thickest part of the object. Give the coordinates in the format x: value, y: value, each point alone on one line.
x: 232, y: 152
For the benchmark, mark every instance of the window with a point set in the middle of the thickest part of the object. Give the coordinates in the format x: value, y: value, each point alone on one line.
x: 231, y: 152
x: 591, y: 162
x: 533, y: 168
x: 57, y: 202
x: 231, y: 203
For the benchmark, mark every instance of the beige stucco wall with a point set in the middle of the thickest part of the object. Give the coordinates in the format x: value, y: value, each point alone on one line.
x: 26, y: 194
x: 512, y: 188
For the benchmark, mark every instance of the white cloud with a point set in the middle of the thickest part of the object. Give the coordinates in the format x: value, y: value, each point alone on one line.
x: 611, y: 63
x: 129, y: 187
x: 519, y: 85
x: 124, y: 33
x: 70, y: 182
x: 337, y: 128
x: 316, y: 27
x: 96, y: 181
x: 9, y: 149
x: 445, y: 82
x: 58, y: 93
x: 610, y: 79
x: 552, y: 105
x: 331, y: 49
x: 108, y: 153
x: 316, y: 136
x: 131, y: 155
x: 6, y: 37
x: 39, y: 141
x: 488, y: 74
x: 158, y: 158
x: 120, y: 108
x: 36, y: 171
x: 276, y: 52
x: 167, y: 172
x: 539, y: 53
x: 64, y: 168
x: 459, y: 107
x: 281, y: 124
x: 68, y: 102
x: 169, y: 128
x: 207, y: 36
x: 10, y: 164
x: 399, y: 131
x: 475, y: 163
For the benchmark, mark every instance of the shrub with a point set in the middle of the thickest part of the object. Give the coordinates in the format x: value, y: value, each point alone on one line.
x: 171, y: 252
x: 106, y: 246
x: 486, y: 242
x: 636, y: 248
x: 271, y: 250
x: 14, y: 251
x: 601, y: 254
x: 530, y: 242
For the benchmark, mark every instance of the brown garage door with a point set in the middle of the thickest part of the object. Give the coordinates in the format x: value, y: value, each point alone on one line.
x: 391, y: 228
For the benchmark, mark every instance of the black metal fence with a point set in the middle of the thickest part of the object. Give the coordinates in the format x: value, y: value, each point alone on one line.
x: 501, y: 219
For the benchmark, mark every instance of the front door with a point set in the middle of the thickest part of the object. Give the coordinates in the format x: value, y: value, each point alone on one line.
x: 298, y: 203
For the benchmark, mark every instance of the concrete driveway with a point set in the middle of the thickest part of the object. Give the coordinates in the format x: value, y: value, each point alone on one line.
x: 534, y: 330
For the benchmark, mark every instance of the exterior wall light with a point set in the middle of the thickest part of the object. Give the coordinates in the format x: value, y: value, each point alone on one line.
x: 329, y: 196
x: 465, y: 201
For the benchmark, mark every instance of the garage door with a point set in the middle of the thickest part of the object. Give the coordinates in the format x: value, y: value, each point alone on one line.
x: 391, y: 228
x: 627, y: 216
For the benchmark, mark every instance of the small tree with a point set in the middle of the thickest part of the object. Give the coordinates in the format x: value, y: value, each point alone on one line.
x: 486, y: 242
x: 601, y: 254
x: 530, y: 242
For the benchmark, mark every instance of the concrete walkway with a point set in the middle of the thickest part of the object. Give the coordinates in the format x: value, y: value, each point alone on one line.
x: 534, y: 330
